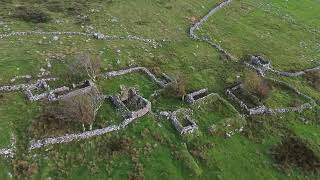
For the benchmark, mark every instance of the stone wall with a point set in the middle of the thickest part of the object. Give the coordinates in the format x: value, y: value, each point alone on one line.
x: 96, y: 35
x: 175, y: 120
x: 262, y: 109
x: 190, y: 98
x: 262, y: 66
x: 7, y: 152
x: 128, y: 115
x: 199, y: 24
x: 135, y: 69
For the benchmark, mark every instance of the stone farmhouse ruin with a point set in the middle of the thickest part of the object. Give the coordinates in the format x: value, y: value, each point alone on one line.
x: 181, y: 121
x: 197, y: 96
x: 131, y: 105
x: 252, y: 105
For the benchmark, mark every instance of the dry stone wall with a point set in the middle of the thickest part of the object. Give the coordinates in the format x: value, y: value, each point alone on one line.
x: 191, y: 126
x: 191, y: 97
x: 262, y: 66
x: 95, y: 35
x: 130, y: 116
x: 262, y: 109
x: 137, y: 69
x: 199, y: 24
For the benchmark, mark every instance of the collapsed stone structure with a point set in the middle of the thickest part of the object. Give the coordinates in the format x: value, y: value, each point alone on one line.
x: 78, y: 90
x: 197, y: 96
x: 181, y: 120
x: 261, y: 65
x: 254, y: 108
x: 28, y: 89
x: 259, y: 108
x: 131, y: 105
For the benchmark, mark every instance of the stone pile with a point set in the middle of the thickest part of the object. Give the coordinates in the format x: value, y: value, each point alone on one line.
x: 7, y: 152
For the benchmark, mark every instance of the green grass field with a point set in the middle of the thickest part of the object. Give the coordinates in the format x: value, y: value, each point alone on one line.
x: 286, y: 32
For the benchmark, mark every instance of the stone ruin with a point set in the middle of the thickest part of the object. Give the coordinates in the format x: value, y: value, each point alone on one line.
x: 197, y: 96
x: 181, y: 120
x: 261, y: 65
x: 30, y: 89
x: 258, y: 108
x: 79, y: 89
x: 131, y: 105
x: 40, y: 90
x: 252, y: 108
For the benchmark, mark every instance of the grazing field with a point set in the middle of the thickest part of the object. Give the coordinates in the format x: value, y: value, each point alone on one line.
x: 86, y: 40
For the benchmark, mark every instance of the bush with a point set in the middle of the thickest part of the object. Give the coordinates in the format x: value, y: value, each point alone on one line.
x: 31, y: 14
x: 313, y: 78
x: 176, y: 88
x: 293, y: 152
x: 24, y: 170
x: 255, y: 84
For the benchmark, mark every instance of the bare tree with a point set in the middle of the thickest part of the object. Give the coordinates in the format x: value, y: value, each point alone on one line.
x: 82, y: 107
x: 86, y: 64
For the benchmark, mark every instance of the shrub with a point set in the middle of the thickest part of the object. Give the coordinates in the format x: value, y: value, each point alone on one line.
x: 255, y: 84
x: 31, y: 14
x: 313, y: 78
x: 24, y: 170
x: 176, y: 88
x: 293, y: 152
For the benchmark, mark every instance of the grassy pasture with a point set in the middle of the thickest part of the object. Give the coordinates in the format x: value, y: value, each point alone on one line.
x: 284, y: 31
